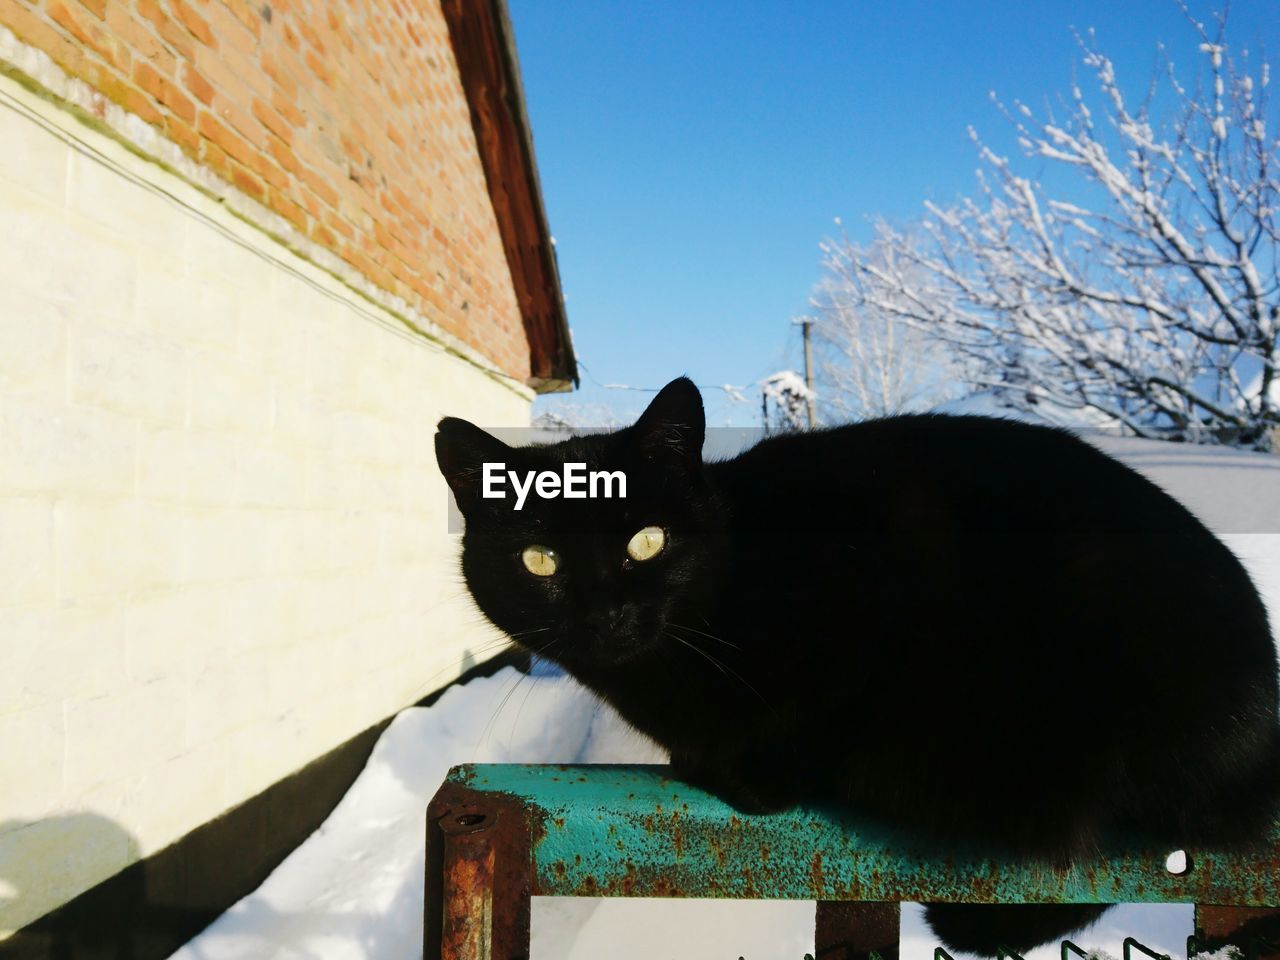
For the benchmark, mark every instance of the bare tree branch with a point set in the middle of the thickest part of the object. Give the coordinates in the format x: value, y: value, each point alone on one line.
x: 1153, y: 302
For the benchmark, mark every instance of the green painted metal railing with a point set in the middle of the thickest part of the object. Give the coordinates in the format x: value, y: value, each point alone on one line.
x: 633, y: 831
x: 500, y: 834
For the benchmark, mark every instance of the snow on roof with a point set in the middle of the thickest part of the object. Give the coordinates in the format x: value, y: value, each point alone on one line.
x: 1229, y: 489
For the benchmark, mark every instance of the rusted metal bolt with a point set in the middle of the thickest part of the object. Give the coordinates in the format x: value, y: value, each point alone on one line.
x: 463, y: 820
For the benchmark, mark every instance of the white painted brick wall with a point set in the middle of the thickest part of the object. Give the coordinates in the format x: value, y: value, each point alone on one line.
x: 222, y: 533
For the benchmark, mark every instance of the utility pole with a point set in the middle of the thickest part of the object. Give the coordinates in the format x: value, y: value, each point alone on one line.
x: 811, y: 404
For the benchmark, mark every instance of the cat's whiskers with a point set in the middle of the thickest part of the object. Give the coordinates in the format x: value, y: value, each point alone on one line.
x: 703, y: 633
x: 520, y: 678
x: 495, y: 647
x: 541, y: 652
x: 528, y: 633
x: 516, y: 720
x: 722, y: 667
x: 493, y: 718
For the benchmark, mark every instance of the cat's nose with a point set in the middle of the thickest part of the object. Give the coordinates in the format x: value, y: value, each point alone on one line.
x: 608, y: 619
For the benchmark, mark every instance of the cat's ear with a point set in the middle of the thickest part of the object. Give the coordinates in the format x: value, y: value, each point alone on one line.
x: 673, y: 426
x: 462, y: 450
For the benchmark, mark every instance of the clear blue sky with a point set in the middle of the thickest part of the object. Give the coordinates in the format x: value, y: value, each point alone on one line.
x: 694, y: 154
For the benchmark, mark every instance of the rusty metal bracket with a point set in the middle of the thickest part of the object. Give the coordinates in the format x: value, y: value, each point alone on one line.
x: 850, y: 930
x: 1254, y: 931
x: 478, y: 880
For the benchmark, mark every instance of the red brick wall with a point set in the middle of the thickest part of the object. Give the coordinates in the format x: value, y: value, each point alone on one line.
x: 346, y: 117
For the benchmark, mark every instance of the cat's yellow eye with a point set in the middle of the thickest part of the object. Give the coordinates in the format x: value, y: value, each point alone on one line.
x: 646, y: 544
x: 540, y: 561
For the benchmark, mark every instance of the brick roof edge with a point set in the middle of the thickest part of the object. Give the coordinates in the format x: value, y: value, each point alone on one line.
x: 484, y: 47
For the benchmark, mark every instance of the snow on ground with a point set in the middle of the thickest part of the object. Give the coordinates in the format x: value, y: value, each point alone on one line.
x: 353, y: 890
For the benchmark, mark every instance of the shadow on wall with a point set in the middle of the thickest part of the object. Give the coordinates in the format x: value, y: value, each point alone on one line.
x: 51, y: 855
x: 152, y: 907
x: 145, y: 911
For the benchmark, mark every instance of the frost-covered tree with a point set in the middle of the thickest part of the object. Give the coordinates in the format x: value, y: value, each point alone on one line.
x: 1135, y: 277
x: 871, y: 362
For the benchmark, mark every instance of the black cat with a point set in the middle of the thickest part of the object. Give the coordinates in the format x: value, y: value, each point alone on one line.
x: 977, y: 629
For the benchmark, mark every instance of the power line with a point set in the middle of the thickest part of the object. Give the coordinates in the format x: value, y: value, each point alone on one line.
x: 733, y: 392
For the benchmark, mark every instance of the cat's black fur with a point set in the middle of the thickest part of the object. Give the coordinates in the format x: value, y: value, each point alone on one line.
x: 975, y: 629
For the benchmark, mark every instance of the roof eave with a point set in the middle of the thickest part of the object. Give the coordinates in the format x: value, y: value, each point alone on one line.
x: 484, y: 47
